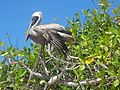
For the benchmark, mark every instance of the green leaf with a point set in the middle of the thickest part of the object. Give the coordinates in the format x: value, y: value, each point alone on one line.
x: 21, y: 73
x: 42, y: 82
x: 89, y: 60
x: 2, y: 44
x: 76, y: 73
x: 82, y: 67
x: 108, y: 32
x: 116, y: 83
x: 119, y: 72
x: 84, y: 12
x: 4, y: 53
x: 0, y: 67
x: 83, y: 37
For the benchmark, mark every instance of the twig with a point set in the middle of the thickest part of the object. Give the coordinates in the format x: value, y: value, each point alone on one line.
x: 44, y: 66
x: 51, y: 56
x: 95, y: 68
x: 94, y: 4
x: 104, y: 66
x: 90, y: 69
x: 73, y: 67
x: 9, y: 39
x: 73, y: 57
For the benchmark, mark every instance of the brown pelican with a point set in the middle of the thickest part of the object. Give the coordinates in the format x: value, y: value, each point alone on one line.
x: 48, y: 34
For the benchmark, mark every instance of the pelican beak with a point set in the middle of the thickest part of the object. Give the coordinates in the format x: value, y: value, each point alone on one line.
x: 27, y: 37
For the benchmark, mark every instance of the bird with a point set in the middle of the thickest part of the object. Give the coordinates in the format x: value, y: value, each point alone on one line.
x: 50, y: 34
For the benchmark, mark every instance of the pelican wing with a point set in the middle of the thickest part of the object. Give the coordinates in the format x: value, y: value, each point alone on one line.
x: 51, y: 36
x: 58, y: 42
x: 56, y: 28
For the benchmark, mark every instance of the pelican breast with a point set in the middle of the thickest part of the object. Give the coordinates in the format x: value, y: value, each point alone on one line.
x: 37, y: 37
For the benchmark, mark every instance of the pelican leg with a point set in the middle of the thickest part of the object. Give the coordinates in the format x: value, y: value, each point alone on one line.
x: 42, y: 61
x: 49, y: 49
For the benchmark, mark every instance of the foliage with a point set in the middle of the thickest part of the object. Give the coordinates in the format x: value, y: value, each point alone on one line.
x: 96, y: 44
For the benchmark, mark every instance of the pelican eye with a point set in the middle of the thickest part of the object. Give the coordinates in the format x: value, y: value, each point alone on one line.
x: 34, y: 20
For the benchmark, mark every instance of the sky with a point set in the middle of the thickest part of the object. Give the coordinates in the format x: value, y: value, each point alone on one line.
x: 15, y: 15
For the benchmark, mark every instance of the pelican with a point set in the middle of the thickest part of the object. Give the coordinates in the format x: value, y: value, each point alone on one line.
x: 48, y: 34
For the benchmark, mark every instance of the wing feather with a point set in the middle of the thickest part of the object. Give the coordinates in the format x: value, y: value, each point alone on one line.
x: 59, y: 43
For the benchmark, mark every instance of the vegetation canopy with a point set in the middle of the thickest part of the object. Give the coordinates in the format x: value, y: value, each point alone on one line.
x: 94, y: 62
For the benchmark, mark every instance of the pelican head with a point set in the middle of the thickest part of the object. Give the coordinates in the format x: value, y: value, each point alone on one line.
x: 36, y: 19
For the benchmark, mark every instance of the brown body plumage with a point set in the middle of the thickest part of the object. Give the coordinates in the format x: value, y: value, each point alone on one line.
x: 53, y: 34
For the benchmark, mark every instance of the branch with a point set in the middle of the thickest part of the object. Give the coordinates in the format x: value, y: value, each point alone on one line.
x: 56, y: 78
x: 34, y: 73
x: 85, y: 82
x: 44, y: 66
x: 61, y: 60
x: 31, y: 72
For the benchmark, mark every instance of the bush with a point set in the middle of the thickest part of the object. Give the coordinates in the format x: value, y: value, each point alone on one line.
x: 95, y: 54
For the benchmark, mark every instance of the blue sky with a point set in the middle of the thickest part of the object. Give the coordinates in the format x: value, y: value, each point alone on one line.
x: 15, y: 15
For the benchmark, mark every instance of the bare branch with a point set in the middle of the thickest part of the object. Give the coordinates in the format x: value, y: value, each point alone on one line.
x: 44, y: 66
x: 73, y: 67
x: 85, y: 82
x: 73, y: 57
x: 31, y: 72
x: 104, y: 66
x: 56, y: 78
x: 72, y: 84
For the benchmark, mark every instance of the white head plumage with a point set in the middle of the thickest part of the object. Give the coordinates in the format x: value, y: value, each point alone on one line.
x: 38, y: 13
